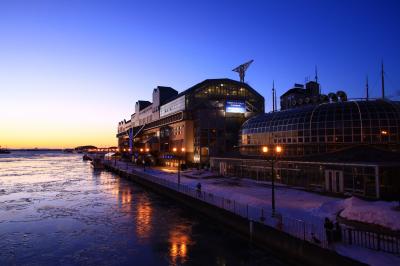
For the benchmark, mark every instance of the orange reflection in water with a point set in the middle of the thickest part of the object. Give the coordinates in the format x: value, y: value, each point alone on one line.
x: 126, y: 196
x: 144, y: 213
x: 123, y: 194
x: 179, y: 238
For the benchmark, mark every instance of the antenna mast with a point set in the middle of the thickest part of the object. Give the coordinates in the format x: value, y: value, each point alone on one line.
x: 273, y: 96
x: 276, y: 107
x: 383, y: 81
x: 242, y: 69
x: 316, y: 74
x: 366, y: 87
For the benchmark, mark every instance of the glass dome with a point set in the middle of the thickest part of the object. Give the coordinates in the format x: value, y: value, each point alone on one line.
x: 324, y: 127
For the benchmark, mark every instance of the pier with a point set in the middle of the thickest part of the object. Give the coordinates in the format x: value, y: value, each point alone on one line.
x: 294, y: 240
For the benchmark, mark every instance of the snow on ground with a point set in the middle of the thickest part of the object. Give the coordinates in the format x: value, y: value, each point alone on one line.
x: 378, y: 212
x: 294, y: 203
x: 247, y: 191
x: 199, y: 174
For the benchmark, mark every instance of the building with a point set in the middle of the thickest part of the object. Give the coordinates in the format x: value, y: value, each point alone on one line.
x: 333, y: 145
x: 204, y: 120
x: 299, y: 96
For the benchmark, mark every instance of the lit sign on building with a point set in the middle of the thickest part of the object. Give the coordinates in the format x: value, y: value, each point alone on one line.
x: 235, y: 107
x: 173, y: 106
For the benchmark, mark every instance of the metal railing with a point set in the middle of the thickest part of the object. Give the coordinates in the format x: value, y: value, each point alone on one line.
x: 371, y: 240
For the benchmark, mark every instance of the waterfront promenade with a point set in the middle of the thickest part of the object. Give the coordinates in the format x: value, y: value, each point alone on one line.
x: 287, y: 235
x: 298, y: 213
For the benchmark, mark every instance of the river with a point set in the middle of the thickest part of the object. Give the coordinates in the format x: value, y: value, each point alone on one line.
x: 56, y: 210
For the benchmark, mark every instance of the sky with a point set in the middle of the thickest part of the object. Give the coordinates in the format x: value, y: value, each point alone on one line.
x: 71, y: 70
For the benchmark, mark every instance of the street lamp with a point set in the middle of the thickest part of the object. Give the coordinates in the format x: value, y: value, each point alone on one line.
x: 273, y: 157
x: 144, y: 152
x: 175, y: 150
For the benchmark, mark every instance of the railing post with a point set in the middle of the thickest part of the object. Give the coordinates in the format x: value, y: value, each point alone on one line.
x: 350, y: 236
x: 379, y: 241
x: 304, y: 231
x: 247, y: 210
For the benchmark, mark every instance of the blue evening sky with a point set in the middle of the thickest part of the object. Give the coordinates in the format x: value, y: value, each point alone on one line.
x: 69, y: 65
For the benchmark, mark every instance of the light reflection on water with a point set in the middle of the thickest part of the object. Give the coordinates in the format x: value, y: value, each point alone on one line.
x: 179, y: 238
x: 55, y: 210
x: 143, y: 217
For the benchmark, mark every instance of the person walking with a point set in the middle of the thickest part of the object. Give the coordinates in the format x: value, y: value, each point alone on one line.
x: 328, y: 230
x: 338, y: 232
x: 198, y: 188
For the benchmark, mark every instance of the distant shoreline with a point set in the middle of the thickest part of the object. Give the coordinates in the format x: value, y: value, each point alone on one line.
x: 35, y: 149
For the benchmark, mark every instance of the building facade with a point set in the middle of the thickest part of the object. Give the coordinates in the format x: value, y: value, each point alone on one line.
x: 204, y: 120
x: 333, y: 145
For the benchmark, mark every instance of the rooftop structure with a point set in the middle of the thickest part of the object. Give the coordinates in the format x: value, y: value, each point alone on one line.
x: 204, y: 119
x: 300, y: 96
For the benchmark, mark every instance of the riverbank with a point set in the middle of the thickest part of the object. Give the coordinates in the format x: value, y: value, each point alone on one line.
x: 56, y: 210
x: 287, y: 237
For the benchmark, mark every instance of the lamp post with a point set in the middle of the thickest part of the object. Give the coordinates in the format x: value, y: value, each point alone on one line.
x: 175, y: 150
x: 147, y: 152
x: 273, y: 157
x: 143, y: 152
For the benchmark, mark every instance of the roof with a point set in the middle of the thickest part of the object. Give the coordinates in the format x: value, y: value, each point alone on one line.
x: 294, y: 90
x: 165, y: 93
x: 209, y: 82
x: 143, y: 104
x: 363, y: 112
x: 165, y: 88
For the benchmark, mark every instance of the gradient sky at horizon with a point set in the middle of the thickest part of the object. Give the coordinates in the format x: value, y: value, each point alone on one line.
x: 70, y: 70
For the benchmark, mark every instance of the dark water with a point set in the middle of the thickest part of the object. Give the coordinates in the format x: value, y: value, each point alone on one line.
x: 55, y: 210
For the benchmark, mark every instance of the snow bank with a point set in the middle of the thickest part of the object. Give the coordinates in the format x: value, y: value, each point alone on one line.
x: 378, y: 212
x: 199, y: 174
x: 373, y: 212
x: 329, y: 209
